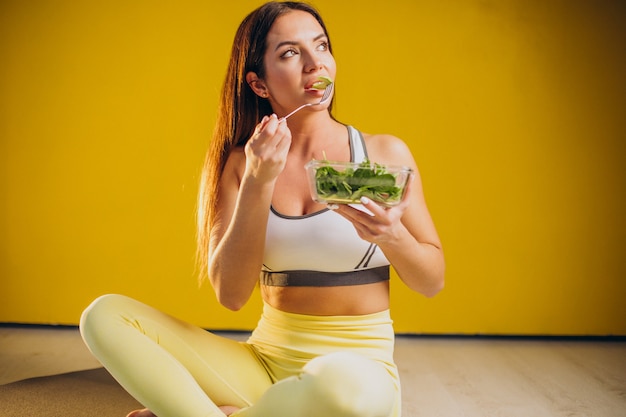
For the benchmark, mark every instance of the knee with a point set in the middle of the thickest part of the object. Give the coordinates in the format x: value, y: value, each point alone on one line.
x: 351, y: 385
x: 100, y: 307
x: 99, y: 313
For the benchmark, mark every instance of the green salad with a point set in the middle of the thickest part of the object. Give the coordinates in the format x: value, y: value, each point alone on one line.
x: 369, y: 180
x: 322, y: 82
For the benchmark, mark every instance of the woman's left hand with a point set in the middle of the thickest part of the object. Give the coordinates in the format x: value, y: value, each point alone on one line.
x: 382, y: 225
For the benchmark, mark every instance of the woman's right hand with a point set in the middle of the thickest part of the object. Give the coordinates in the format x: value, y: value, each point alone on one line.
x: 243, y: 207
x: 266, y: 151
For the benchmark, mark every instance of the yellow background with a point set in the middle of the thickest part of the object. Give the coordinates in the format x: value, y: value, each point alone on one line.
x: 515, y: 111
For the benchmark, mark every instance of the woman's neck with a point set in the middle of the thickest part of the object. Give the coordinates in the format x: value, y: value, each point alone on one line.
x: 311, y: 136
x: 333, y: 144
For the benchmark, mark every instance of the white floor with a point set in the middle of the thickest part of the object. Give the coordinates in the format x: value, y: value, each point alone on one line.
x: 442, y: 377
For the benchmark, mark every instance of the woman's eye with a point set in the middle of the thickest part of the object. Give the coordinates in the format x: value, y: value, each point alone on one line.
x: 288, y: 53
x: 323, y: 46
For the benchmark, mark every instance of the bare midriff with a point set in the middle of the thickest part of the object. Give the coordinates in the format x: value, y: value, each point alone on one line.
x: 329, y: 301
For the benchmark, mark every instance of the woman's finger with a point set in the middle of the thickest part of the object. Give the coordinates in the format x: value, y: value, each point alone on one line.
x: 376, y: 209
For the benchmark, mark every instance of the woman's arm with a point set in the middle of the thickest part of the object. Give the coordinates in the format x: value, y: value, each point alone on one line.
x: 405, y: 233
x: 245, y: 194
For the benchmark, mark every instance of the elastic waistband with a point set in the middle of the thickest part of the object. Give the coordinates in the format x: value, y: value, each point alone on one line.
x: 325, y: 279
x: 284, y: 342
x: 307, y: 321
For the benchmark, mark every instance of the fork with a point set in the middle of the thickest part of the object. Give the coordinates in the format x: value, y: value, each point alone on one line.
x: 327, y: 92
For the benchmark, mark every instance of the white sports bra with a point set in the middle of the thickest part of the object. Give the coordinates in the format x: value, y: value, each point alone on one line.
x: 298, y: 248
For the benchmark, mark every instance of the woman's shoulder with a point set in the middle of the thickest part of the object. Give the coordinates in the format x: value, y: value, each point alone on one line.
x: 387, y: 149
x: 237, y: 152
x: 235, y: 162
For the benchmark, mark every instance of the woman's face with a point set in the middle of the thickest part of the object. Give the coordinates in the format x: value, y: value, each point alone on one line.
x: 297, y: 54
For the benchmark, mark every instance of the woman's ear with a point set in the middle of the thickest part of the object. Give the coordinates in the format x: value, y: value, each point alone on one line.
x: 257, y: 85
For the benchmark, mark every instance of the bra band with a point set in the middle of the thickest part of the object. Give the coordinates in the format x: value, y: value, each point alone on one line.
x: 324, y: 279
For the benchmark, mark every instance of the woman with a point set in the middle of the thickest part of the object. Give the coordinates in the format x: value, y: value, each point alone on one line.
x: 324, y: 344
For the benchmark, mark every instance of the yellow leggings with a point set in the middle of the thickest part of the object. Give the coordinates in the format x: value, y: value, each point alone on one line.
x: 292, y: 365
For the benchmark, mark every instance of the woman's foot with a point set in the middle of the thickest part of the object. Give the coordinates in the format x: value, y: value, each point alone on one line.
x: 226, y: 409
x: 141, y: 413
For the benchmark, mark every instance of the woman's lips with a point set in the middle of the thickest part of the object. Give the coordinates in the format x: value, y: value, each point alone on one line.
x: 319, y: 83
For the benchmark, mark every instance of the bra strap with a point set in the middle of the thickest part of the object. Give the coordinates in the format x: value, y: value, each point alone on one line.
x: 358, y: 151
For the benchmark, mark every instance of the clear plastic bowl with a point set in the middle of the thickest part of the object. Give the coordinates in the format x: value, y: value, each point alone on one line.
x: 346, y: 182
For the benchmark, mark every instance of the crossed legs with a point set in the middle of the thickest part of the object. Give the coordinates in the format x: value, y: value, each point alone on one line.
x: 179, y: 370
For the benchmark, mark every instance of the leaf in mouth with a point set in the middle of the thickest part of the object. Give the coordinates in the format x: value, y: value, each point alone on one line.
x: 322, y: 83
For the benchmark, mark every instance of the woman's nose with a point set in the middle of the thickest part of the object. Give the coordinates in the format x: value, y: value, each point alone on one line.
x: 313, y: 63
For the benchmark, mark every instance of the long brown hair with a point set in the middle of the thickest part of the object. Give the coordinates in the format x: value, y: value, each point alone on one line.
x: 239, y: 110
